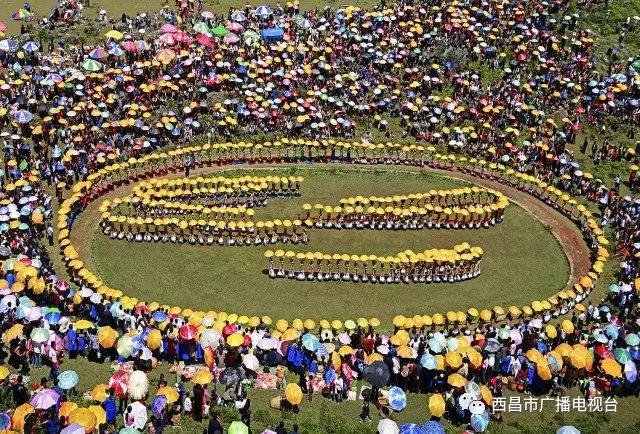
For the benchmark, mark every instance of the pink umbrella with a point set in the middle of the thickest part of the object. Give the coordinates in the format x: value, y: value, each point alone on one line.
x: 231, y: 38
x: 344, y: 338
x: 3, y: 27
x: 167, y: 39
x: 168, y: 28
x: 207, y: 14
x: 129, y: 46
x: 182, y: 37
x: 118, y: 383
x: 235, y: 27
x: 204, y: 40
x: 515, y: 336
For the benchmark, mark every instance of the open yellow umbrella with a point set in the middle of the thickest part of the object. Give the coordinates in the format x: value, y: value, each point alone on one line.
x: 83, y: 324
x: 99, y: 413
x: 456, y: 380
x: 107, y: 337
x: 202, y: 377
x: 487, y: 396
x: 611, y: 367
x: 564, y: 349
x: 66, y: 408
x: 100, y: 392
x: 346, y: 350
x: 436, y: 405
x: 170, y: 393
x: 578, y: 357
x: 293, y: 393
x: 567, y: 326
x: 154, y: 339
x: 19, y: 414
x: 534, y: 356
x: 551, y: 331
x: 4, y: 372
x: 13, y: 332
x: 405, y: 352
x: 235, y: 340
x: 83, y: 417
x: 453, y: 359
x: 544, y: 372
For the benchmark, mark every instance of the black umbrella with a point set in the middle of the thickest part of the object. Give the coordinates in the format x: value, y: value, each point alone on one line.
x: 231, y: 376
x: 377, y: 374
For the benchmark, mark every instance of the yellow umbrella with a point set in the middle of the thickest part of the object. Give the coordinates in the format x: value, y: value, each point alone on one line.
x: 83, y: 324
x: 534, y: 356
x: 487, y: 396
x: 544, y: 372
x: 107, y: 337
x: 436, y: 405
x: 13, y: 332
x: 567, y: 326
x: 405, y: 352
x: 154, y: 339
x: 578, y: 357
x: 290, y: 334
x: 374, y: 357
x: 202, y: 377
x: 453, y: 360
x: 456, y: 380
x: 293, y: 393
x: 66, y: 408
x: 83, y: 417
x: 4, y: 372
x: 611, y: 367
x: 346, y: 350
x: 235, y: 340
x: 19, y: 414
x: 282, y: 325
x: 551, y: 331
x: 100, y: 392
x: 170, y: 393
x: 99, y: 413
x: 564, y: 349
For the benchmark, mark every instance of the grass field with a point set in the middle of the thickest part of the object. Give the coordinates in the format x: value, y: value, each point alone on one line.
x: 233, y: 279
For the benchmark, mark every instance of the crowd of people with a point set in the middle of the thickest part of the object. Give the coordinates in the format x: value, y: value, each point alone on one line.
x: 498, y: 90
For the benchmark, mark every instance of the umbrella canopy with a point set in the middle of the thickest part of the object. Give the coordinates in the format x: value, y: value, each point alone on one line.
x: 137, y: 385
x: 397, y: 399
x: 238, y: 427
x: 67, y: 380
x: 293, y: 393
x: 377, y: 374
x: 44, y: 399
x: 436, y: 405
x: 91, y: 65
x: 433, y: 427
x: 387, y: 426
x: 231, y: 376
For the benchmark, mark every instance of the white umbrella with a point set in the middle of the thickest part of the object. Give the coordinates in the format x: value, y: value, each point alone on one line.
x: 210, y: 338
x: 85, y: 292
x: 387, y: 426
x: 208, y: 321
x: 267, y: 344
x: 250, y: 362
x: 139, y: 413
x: 138, y: 385
x: 74, y: 428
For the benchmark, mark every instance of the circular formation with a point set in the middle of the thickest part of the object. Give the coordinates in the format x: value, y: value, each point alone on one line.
x: 113, y: 175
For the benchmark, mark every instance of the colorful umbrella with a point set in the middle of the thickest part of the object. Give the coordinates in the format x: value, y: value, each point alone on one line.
x: 397, y: 399
x: 91, y: 65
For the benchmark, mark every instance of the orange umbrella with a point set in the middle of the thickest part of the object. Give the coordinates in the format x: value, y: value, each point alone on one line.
x: 100, y: 392
x: 456, y: 380
x: 83, y: 417
x: 19, y: 414
x: 611, y: 367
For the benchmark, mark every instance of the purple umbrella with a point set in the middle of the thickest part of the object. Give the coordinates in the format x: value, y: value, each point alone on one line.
x: 44, y: 399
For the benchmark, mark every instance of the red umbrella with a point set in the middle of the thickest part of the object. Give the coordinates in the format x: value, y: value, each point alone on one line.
x: 247, y: 341
x: 118, y: 383
x: 142, y: 309
x: 188, y: 332
x: 204, y: 40
x: 229, y: 329
x: 167, y: 39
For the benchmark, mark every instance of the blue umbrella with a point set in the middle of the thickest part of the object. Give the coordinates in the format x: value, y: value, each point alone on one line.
x: 238, y: 16
x: 67, y: 380
x: 115, y: 309
x: 542, y: 347
x: 160, y: 316
x: 263, y: 11
x: 429, y: 361
x: 410, y: 428
x: 630, y: 371
x: 5, y: 421
x: 568, y: 429
x: 611, y: 331
x: 614, y: 288
x: 310, y: 341
x: 53, y: 318
x: 8, y: 45
x: 116, y: 51
x: 159, y: 404
x: 273, y: 34
x: 322, y: 350
x: 635, y: 354
x: 31, y: 46
x: 397, y: 399
x: 435, y: 345
x: 433, y: 427
x: 23, y: 116
x: 479, y: 422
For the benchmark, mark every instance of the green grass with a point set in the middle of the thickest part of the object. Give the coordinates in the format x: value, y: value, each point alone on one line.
x: 522, y: 261
x: 322, y: 416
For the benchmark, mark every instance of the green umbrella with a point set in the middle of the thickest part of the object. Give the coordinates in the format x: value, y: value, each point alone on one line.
x: 238, y: 427
x: 632, y: 339
x: 23, y: 165
x: 503, y: 333
x: 622, y: 355
x: 91, y: 65
x: 220, y: 31
x: 129, y: 431
x: 40, y: 335
x: 201, y: 28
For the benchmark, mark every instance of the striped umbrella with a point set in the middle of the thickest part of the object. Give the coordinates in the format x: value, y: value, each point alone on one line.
x: 8, y: 45
x: 20, y: 14
x: 31, y: 46
x: 238, y: 16
x: 23, y: 116
x: 91, y: 65
x: 263, y: 11
x: 98, y: 53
